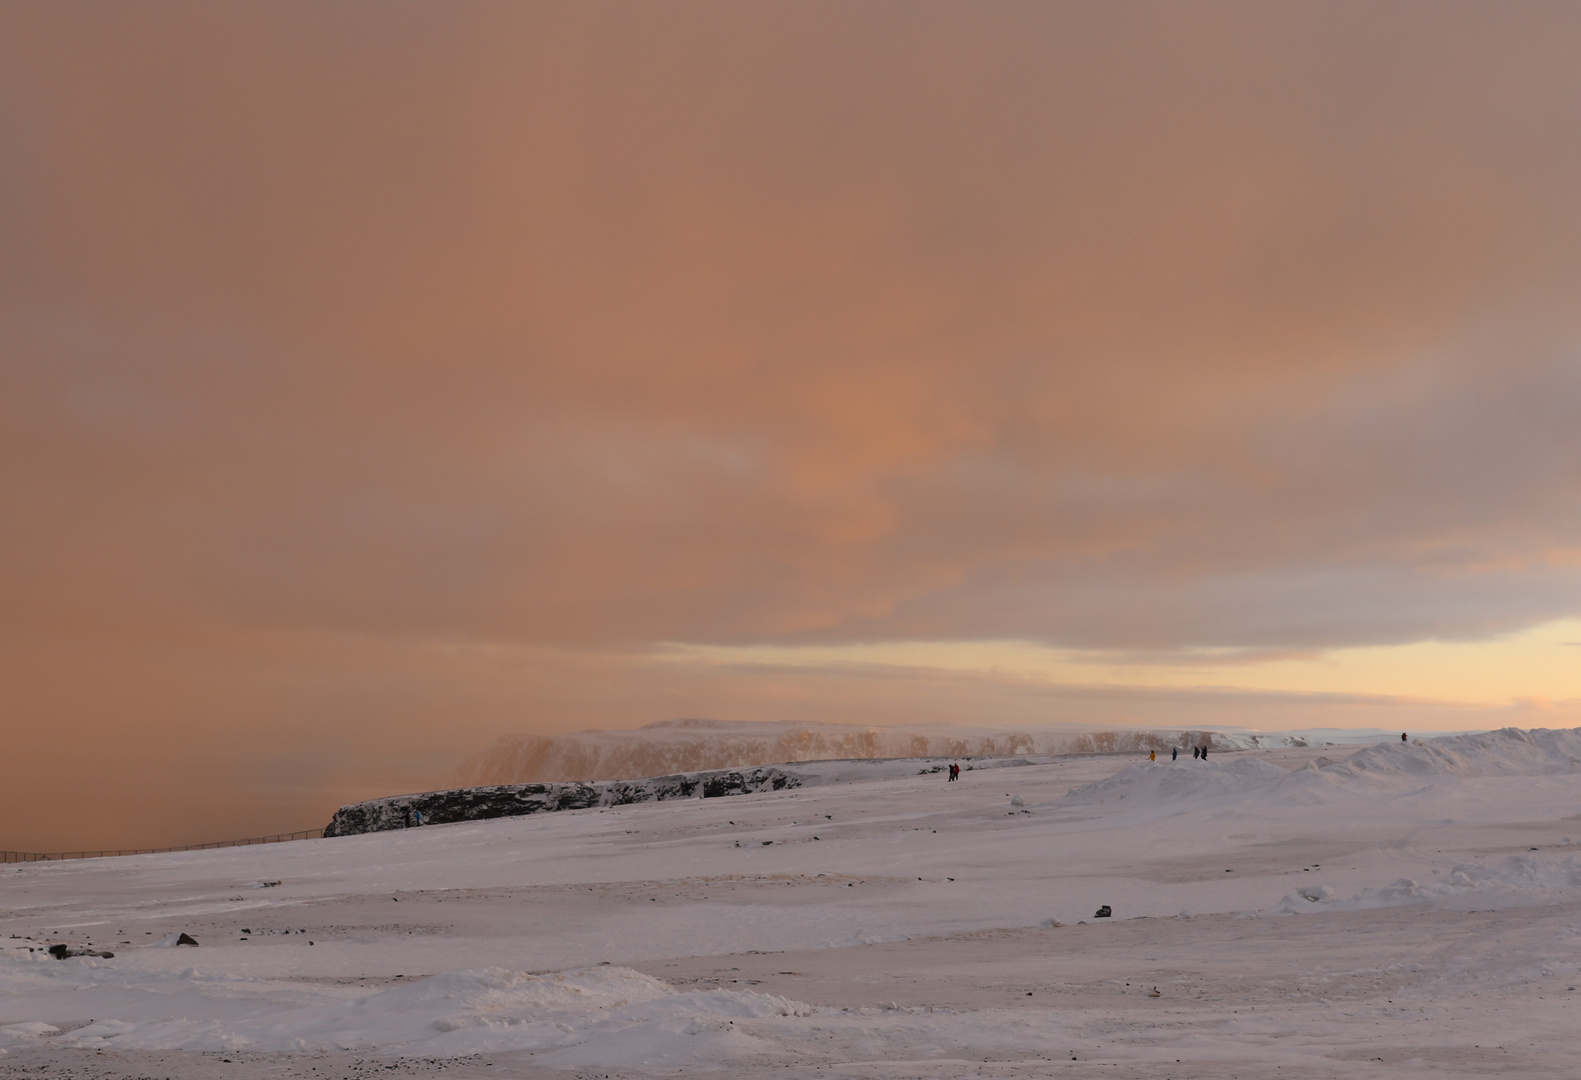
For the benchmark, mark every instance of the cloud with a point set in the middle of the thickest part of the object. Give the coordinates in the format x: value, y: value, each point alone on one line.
x: 1136, y: 329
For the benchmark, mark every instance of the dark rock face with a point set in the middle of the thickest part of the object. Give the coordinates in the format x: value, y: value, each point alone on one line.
x: 721, y: 783
x: 513, y: 800
x: 1104, y: 913
x: 66, y: 952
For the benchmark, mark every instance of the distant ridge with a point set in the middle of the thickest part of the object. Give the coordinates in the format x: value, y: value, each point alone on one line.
x: 695, y: 723
x: 668, y: 747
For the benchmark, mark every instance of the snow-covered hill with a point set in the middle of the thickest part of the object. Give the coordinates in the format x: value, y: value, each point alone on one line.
x: 1508, y: 752
x: 1250, y: 782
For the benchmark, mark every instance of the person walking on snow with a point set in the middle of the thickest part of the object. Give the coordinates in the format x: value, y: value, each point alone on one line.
x: 1174, y: 752
x: 1152, y: 755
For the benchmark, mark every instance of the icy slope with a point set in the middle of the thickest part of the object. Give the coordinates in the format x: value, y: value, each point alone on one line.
x: 681, y: 746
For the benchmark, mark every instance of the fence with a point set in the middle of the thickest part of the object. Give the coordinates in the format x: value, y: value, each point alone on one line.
x: 39, y: 856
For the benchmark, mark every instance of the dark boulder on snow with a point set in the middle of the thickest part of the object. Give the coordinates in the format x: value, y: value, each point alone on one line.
x: 170, y: 941
x: 1103, y: 913
x: 512, y: 800
x: 66, y: 952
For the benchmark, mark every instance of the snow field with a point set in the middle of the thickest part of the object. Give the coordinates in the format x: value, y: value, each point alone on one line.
x: 900, y: 924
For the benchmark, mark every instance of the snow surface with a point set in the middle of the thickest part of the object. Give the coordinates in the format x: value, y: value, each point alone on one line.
x: 1408, y: 910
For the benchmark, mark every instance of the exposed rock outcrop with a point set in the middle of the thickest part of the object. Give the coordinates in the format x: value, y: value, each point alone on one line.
x: 510, y: 800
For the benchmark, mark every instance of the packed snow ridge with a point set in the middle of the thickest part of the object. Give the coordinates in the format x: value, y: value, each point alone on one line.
x: 684, y: 746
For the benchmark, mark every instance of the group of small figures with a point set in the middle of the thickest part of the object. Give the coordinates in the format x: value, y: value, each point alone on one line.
x: 1174, y: 752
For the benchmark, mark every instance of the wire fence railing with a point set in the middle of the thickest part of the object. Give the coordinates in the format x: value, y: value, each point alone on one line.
x: 52, y: 856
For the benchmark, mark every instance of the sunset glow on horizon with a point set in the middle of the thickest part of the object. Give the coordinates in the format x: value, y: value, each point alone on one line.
x: 377, y: 379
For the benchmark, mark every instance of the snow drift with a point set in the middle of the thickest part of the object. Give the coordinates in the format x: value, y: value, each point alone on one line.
x: 599, y: 1015
x: 1174, y: 781
x: 1507, y: 752
x: 1516, y: 877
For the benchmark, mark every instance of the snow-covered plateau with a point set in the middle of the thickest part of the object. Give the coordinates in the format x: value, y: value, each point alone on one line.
x: 687, y: 746
x: 1394, y: 910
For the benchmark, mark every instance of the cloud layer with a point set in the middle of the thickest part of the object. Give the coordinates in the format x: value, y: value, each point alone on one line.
x: 586, y: 329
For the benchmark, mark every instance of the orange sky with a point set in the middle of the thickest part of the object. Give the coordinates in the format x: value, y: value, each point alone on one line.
x: 379, y: 378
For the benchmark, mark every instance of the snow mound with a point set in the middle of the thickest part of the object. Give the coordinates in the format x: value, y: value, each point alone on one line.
x: 1174, y: 781
x: 1508, y: 752
x: 604, y: 1015
x: 1518, y: 877
x: 32, y: 1029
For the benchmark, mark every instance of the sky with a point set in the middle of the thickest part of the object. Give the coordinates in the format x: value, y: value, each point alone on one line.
x: 380, y: 378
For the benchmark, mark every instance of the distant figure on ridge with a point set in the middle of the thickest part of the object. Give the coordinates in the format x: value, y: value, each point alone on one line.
x: 1402, y: 736
x: 1152, y: 755
x: 955, y: 772
x: 1174, y: 752
x: 1204, y: 753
